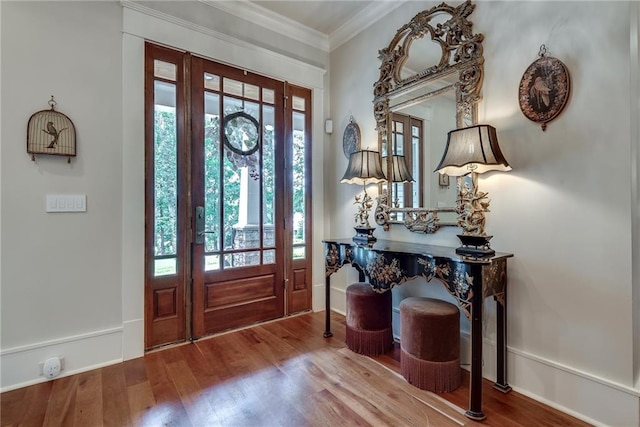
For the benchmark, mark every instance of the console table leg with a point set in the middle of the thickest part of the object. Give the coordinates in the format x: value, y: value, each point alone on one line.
x: 475, y: 383
x: 501, y: 325
x: 327, y: 304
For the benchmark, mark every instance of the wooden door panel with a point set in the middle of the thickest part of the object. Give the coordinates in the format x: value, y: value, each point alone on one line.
x: 228, y: 317
x: 165, y: 313
x: 240, y: 291
x: 300, y: 290
x: 165, y: 303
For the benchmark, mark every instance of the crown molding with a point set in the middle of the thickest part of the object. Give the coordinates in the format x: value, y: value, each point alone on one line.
x: 264, y: 17
x: 363, y: 20
x: 295, y: 64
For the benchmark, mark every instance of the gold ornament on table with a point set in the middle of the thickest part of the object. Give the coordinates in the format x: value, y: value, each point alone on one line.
x: 365, y: 203
x: 364, y: 168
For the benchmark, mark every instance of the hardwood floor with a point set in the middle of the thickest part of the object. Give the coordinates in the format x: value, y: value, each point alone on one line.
x: 282, y: 373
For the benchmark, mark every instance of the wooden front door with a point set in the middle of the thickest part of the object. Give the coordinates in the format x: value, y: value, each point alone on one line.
x: 237, y: 184
x: 228, y: 197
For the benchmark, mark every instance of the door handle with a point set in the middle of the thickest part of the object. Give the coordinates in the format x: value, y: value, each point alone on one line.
x: 200, y: 231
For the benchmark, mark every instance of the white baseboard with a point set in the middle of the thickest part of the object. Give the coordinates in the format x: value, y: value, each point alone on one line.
x: 20, y: 365
x: 595, y: 400
x: 590, y: 398
x: 317, y: 297
x: 133, y: 339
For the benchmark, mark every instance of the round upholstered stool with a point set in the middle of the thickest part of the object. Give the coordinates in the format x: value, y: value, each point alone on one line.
x: 430, y: 344
x: 368, y: 320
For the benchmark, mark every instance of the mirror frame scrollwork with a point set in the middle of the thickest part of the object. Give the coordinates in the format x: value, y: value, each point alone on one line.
x: 462, y: 53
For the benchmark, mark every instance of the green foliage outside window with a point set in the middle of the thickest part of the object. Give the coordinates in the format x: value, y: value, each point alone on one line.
x: 165, y: 175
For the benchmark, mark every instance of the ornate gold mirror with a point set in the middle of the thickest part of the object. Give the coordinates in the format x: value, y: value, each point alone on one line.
x: 430, y: 80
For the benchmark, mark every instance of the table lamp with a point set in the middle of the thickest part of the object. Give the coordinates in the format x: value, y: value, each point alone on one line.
x: 472, y: 150
x: 364, y: 168
x: 400, y: 172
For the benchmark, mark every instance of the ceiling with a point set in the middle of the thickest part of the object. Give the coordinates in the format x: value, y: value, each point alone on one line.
x: 323, y: 16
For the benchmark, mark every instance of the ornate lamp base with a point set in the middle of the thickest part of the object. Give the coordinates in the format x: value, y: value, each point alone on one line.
x: 474, y: 245
x: 364, y: 235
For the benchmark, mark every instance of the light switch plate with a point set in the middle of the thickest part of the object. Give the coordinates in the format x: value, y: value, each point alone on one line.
x: 66, y: 203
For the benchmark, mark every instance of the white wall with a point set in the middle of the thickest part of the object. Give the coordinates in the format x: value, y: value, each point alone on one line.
x: 73, y: 283
x: 564, y: 210
x: 61, y: 273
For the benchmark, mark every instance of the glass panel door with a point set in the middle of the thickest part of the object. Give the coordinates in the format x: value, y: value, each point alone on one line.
x: 228, y: 197
x: 238, y: 178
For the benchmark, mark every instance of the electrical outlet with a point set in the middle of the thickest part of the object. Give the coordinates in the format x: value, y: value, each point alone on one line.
x: 52, y: 370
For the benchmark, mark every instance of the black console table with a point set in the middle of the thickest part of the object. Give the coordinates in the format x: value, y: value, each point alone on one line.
x: 470, y: 280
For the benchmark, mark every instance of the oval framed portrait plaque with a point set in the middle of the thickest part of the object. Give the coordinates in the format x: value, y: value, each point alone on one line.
x: 544, y: 89
x: 351, y: 138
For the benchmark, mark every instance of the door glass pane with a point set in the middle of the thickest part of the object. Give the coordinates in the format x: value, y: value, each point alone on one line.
x: 416, y: 155
x: 268, y: 176
x: 398, y: 193
x: 299, y: 252
x: 268, y: 96
x: 299, y: 182
x: 242, y: 180
x: 251, y: 92
x: 211, y: 82
x: 397, y: 138
x: 269, y: 257
x: 400, y: 144
x: 298, y: 103
x: 232, y: 87
x: 211, y: 262
x: 231, y: 183
x: 164, y: 70
x: 164, y: 267
x: 242, y: 259
x: 165, y: 170
x: 212, y: 171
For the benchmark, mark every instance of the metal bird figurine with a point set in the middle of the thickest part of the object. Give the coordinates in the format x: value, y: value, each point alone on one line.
x: 51, y: 130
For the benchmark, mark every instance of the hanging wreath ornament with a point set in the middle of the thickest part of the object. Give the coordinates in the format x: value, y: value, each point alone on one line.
x: 241, y: 133
x: 544, y: 89
x: 242, y: 138
x: 51, y: 132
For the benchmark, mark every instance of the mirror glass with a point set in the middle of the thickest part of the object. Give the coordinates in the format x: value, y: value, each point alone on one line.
x: 437, y: 115
x: 430, y: 79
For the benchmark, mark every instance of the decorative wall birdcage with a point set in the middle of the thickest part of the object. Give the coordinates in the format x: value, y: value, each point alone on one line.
x: 51, y: 132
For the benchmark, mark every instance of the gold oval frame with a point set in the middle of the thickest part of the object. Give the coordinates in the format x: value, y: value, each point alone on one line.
x: 544, y: 90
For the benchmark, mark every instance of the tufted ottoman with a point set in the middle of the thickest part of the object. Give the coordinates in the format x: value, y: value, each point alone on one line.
x: 430, y: 344
x: 368, y: 320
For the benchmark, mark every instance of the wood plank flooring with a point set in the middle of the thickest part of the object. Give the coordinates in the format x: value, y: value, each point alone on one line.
x: 282, y: 373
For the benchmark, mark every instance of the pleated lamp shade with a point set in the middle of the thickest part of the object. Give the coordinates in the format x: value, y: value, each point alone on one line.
x: 472, y: 149
x: 401, y: 171
x: 364, y: 168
